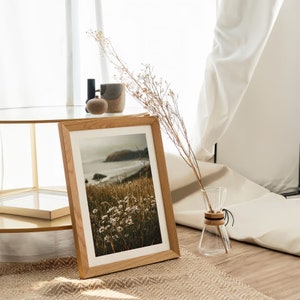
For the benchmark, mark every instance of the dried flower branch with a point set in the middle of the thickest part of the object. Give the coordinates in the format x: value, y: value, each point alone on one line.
x: 156, y: 96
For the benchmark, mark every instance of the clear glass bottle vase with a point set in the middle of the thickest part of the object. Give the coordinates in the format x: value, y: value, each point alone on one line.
x: 214, y: 238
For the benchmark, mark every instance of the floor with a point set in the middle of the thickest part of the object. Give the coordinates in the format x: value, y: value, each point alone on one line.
x: 273, y: 273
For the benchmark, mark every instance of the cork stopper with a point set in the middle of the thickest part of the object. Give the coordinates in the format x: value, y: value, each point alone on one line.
x: 214, y: 219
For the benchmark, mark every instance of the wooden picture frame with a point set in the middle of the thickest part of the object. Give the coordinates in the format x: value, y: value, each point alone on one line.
x: 119, y: 193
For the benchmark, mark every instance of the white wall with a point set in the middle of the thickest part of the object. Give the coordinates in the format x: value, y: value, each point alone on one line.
x: 263, y: 140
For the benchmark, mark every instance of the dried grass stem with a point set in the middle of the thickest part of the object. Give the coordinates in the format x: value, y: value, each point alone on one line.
x: 156, y: 96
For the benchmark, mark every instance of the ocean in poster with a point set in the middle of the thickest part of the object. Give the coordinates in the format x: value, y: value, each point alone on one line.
x: 114, y: 171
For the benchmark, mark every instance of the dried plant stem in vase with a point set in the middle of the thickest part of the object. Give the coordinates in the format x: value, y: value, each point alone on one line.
x: 156, y: 96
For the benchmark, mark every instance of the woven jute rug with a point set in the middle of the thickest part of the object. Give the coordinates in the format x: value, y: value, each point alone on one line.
x: 188, y: 277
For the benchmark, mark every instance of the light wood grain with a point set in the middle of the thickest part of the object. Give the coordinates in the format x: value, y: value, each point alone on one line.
x: 273, y: 273
x: 12, y: 224
x: 85, y: 266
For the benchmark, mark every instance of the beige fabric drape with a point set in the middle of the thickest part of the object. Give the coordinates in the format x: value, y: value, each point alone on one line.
x: 241, y: 32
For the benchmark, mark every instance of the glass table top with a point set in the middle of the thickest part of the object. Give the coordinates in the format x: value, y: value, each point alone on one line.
x: 54, y: 114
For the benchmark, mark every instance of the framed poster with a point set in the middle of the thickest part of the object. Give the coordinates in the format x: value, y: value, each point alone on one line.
x: 119, y: 194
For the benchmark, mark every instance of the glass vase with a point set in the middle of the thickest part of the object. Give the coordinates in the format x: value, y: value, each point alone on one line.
x: 214, y: 238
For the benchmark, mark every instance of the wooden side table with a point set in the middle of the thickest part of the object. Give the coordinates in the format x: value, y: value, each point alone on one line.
x: 33, y: 116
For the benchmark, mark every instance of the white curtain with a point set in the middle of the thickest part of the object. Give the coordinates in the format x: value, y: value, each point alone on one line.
x: 241, y: 32
x: 174, y: 36
x: 33, y: 53
x: 262, y: 140
x: 47, y: 56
